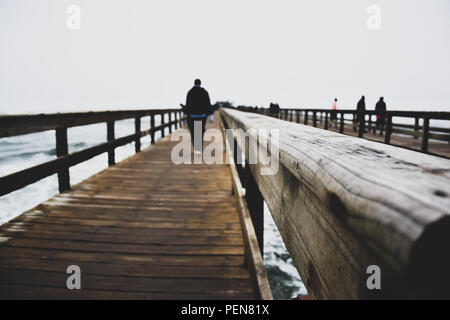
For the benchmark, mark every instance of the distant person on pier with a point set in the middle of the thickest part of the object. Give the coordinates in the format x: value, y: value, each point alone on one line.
x: 360, y: 109
x: 333, y: 115
x: 274, y: 109
x: 198, y: 107
x: 380, y: 110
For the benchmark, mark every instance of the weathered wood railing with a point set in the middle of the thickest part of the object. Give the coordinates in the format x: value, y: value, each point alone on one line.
x: 421, y: 127
x: 343, y: 204
x: 13, y: 125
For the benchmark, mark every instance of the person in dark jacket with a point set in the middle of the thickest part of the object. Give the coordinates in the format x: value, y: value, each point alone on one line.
x: 274, y: 109
x: 198, y: 107
x: 360, y: 108
x: 380, y: 109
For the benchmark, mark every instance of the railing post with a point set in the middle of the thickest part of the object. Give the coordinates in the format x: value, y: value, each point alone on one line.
x: 152, y: 125
x: 387, y: 137
x: 314, y: 118
x: 163, y: 116
x: 255, y: 204
x: 362, y: 122
x: 326, y: 120
x: 341, y: 127
x: 110, y: 137
x: 426, y: 133
x: 170, y: 120
x: 382, y: 123
x: 62, y: 149
x: 137, y: 129
x: 416, y: 128
x: 376, y: 124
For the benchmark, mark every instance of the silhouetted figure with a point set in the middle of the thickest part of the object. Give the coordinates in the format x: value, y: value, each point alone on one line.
x: 198, y: 107
x: 274, y: 109
x: 333, y: 115
x: 380, y: 110
x: 360, y: 109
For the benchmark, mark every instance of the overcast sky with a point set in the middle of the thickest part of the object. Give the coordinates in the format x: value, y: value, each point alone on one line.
x: 146, y: 54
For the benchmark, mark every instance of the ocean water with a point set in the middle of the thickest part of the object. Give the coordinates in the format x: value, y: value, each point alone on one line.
x: 21, y: 152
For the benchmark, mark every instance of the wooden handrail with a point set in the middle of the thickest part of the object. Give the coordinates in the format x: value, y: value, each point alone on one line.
x: 343, y: 204
x: 13, y: 125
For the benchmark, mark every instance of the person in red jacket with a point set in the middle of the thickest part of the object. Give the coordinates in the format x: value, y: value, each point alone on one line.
x: 333, y: 115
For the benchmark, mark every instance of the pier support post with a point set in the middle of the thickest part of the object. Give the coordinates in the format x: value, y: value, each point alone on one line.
x: 110, y: 137
x: 305, y: 120
x: 314, y: 119
x: 62, y: 149
x: 326, y: 120
x: 362, y: 122
x: 163, y: 115
x: 152, y: 125
x: 170, y: 122
x: 416, y: 128
x: 387, y: 137
x: 137, y: 129
x: 255, y: 204
x: 426, y: 133
x: 341, y: 129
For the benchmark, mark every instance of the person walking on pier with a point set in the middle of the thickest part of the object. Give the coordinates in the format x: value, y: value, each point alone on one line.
x: 198, y: 107
x: 274, y: 109
x: 360, y: 109
x: 380, y: 109
x: 333, y: 115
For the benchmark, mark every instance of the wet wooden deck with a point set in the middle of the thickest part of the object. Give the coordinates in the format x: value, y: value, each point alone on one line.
x: 143, y: 229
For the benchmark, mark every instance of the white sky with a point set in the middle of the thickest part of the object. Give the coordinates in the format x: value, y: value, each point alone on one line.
x: 146, y: 54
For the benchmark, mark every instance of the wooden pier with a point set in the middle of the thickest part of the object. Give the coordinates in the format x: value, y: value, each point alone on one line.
x: 146, y: 228
x: 142, y: 229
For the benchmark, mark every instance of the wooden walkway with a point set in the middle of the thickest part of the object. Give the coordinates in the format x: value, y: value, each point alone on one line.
x: 143, y: 229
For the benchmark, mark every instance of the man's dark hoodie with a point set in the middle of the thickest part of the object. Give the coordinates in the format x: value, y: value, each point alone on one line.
x: 198, y: 102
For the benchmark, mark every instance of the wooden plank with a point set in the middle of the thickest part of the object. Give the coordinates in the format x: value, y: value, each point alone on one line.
x: 145, y: 238
x: 126, y: 283
x: 343, y: 204
x: 49, y: 293
x: 146, y: 271
x: 71, y: 257
x: 172, y: 232
x: 134, y: 248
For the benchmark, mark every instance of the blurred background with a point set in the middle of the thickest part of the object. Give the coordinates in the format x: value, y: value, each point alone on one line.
x: 146, y: 54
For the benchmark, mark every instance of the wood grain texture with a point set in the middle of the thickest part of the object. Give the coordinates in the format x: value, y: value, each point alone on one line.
x: 343, y: 203
x: 142, y: 229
